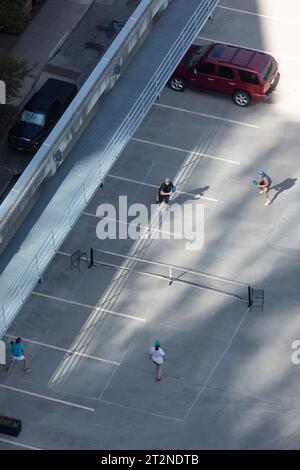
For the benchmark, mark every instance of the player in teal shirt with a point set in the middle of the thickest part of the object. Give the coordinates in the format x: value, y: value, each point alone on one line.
x: 17, y: 352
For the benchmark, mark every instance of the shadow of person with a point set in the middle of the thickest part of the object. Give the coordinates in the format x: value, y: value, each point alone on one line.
x: 283, y: 186
x: 194, y: 194
x: 199, y: 191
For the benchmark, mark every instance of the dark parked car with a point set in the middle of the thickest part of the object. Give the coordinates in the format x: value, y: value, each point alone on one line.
x: 244, y: 74
x: 40, y: 114
x: 8, y: 178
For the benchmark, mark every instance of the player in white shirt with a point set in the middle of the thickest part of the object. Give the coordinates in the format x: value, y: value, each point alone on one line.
x: 157, y: 355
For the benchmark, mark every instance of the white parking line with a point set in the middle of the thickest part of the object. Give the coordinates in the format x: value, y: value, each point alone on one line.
x: 141, y: 411
x: 153, y: 229
x: 69, y: 351
x: 19, y: 444
x: 295, y: 59
x: 211, y: 116
x: 268, y: 17
x: 92, y: 307
x: 191, y: 152
x: 44, y: 397
x: 122, y: 178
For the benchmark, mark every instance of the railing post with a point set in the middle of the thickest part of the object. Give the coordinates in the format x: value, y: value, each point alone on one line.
x: 3, y: 315
x: 170, y: 275
x: 37, y: 266
x: 84, y: 194
x: 91, y: 258
x: 114, y: 148
x: 69, y: 217
x: 250, y: 301
x: 53, y: 241
x: 21, y: 293
x: 100, y: 173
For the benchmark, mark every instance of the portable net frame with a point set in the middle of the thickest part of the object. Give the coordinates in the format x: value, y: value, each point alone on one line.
x: 173, y: 274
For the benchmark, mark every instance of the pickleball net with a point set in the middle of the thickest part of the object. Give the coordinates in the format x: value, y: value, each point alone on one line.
x: 173, y: 274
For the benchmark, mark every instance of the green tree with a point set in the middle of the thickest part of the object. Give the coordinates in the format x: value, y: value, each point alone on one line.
x: 8, y: 116
x: 13, y: 16
x: 12, y: 72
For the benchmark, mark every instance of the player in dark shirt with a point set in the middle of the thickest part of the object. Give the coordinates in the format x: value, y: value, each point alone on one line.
x: 165, y: 190
x: 264, y: 184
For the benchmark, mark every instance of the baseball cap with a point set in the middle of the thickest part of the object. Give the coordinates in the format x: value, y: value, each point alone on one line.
x: 157, y: 343
x: 167, y: 179
x: 261, y: 173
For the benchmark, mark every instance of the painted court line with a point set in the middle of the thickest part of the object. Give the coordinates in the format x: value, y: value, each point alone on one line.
x: 217, y: 363
x: 191, y: 152
x: 122, y: 178
x: 44, y: 397
x: 175, y: 108
x: 79, y: 304
x: 69, y: 351
x: 150, y: 229
x: 295, y: 59
x: 141, y: 411
x: 260, y: 15
x: 19, y: 444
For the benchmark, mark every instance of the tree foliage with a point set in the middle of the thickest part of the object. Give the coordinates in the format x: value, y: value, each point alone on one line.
x: 12, y: 72
x: 8, y: 116
x: 13, y: 16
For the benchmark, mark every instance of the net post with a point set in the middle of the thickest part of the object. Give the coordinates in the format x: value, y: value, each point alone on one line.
x: 91, y: 258
x: 250, y: 301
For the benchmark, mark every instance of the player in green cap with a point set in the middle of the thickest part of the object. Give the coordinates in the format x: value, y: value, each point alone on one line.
x: 157, y: 355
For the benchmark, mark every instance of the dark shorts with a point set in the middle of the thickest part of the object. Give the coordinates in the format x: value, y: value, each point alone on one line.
x: 163, y: 198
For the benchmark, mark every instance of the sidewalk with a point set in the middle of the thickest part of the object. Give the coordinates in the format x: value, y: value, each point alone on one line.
x: 47, y: 32
x: 65, y: 40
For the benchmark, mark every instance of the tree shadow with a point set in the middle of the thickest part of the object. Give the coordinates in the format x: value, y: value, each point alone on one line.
x: 283, y: 186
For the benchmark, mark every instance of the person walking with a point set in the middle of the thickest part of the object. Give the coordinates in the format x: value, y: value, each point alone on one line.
x: 157, y: 355
x: 17, y: 353
x: 165, y: 191
x: 264, y: 184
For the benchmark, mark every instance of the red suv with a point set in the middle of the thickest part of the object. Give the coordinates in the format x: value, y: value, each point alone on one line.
x: 243, y: 74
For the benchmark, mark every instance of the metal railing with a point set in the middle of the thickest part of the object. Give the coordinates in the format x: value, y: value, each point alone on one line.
x: 52, y: 243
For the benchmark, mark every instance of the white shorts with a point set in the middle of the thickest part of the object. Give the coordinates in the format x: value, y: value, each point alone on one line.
x: 19, y: 358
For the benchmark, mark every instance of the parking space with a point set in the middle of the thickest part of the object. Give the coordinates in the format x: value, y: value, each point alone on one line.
x: 228, y: 381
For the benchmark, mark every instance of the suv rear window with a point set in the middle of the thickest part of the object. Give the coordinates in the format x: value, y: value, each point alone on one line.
x: 197, y: 56
x: 269, y: 70
x: 248, y: 77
